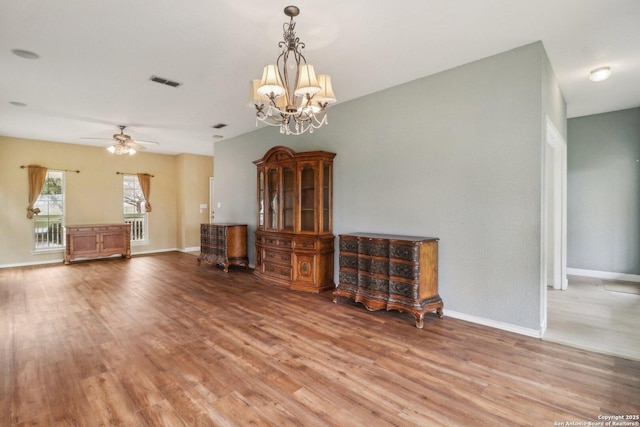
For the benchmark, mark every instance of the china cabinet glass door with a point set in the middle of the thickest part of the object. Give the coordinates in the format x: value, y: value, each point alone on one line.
x: 307, y: 198
x: 326, y: 198
x: 287, y: 198
x: 261, y: 200
x: 272, y: 199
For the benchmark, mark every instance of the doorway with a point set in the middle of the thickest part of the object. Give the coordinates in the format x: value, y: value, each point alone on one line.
x: 554, y: 217
x: 211, y: 211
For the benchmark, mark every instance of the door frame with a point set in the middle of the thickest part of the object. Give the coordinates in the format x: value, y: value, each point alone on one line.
x: 211, y: 211
x: 553, y: 263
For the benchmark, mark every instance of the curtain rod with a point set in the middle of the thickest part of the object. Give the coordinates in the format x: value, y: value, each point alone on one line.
x: 64, y: 170
x: 128, y: 173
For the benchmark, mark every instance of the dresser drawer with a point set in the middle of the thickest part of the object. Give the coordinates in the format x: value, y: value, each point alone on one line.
x: 373, y: 247
x: 376, y: 284
x: 404, y: 252
x: 349, y: 244
x: 405, y: 290
x: 348, y: 261
x: 305, y: 244
x: 279, y: 257
x: 373, y: 266
x: 277, y: 270
x: 408, y: 271
x: 277, y: 242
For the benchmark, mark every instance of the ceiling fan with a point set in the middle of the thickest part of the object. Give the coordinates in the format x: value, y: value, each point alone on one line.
x: 123, y: 144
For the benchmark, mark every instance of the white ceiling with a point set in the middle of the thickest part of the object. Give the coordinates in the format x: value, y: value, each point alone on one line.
x: 96, y: 57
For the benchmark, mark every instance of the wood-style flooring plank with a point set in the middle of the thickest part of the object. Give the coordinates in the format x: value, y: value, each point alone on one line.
x: 161, y: 414
x: 160, y: 341
x: 110, y: 403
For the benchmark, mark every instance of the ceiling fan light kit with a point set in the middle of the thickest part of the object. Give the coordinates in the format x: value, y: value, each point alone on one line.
x: 294, y: 109
x: 119, y: 149
x: 123, y: 144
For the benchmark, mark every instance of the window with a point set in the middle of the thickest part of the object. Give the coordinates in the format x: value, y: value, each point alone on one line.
x: 48, y: 231
x: 133, y: 203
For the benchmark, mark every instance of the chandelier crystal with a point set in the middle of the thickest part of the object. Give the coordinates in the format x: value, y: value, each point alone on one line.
x: 295, y: 109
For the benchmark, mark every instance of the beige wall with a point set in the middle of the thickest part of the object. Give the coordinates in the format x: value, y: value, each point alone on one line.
x: 95, y: 194
x: 194, y: 172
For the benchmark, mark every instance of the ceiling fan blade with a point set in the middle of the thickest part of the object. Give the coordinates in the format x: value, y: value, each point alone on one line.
x: 124, y: 139
x: 133, y: 144
x: 140, y: 141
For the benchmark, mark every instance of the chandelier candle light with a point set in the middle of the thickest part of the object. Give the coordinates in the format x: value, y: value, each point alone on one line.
x: 295, y: 109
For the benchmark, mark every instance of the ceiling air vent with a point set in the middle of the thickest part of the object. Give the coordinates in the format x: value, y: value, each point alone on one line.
x: 165, y: 81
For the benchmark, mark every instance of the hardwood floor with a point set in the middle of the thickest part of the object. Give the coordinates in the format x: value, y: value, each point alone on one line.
x: 157, y: 340
x: 591, y: 316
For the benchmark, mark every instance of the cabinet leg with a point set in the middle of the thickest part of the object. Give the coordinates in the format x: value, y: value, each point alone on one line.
x: 419, y: 320
x: 439, y: 310
x: 226, y: 267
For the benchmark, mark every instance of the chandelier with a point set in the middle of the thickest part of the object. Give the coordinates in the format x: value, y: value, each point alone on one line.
x: 295, y: 109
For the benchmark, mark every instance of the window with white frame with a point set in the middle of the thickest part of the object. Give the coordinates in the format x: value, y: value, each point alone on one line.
x: 133, y: 203
x: 48, y: 230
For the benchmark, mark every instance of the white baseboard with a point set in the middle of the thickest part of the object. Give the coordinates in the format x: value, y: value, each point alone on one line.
x: 495, y: 324
x: 604, y: 275
x: 31, y: 263
x: 157, y: 251
x: 61, y: 259
x: 191, y: 249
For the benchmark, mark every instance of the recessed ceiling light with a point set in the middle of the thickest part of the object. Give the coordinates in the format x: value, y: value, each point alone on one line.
x: 218, y: 136
x: 25, y: 54
x: 600, y: 74
x: 18, y: 104
x: 219, y: 126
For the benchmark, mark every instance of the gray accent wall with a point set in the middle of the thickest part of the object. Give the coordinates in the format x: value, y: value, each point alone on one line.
x: 456, y: 155
x: 603, y: 186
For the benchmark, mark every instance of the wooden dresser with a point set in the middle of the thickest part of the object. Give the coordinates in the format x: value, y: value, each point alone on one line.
x: 223, y: 244
x: 294, y: 233
x: 390, y: 272
x: 97, y: 240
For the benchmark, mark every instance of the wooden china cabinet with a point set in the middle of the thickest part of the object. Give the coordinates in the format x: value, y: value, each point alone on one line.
x: 294, y: 233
